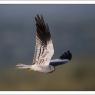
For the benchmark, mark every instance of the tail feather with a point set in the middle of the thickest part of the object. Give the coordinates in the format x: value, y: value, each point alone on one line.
x: 66, y: 55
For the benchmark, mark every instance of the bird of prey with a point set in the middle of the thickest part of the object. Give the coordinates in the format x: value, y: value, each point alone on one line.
x: 44, y: 50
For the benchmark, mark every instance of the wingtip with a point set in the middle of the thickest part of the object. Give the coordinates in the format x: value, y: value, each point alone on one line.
x: 66, y: 55
x: 42, y: 29
x: 38, y: 17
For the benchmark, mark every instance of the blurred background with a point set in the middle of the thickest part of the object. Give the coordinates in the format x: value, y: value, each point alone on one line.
x: 72, y: 27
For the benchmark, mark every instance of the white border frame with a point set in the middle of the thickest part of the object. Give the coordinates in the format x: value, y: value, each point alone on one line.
x: 47, y: 2
x: 47, y: 92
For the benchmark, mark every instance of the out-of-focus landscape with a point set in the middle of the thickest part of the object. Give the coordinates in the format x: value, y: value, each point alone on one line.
x: 72, y: 27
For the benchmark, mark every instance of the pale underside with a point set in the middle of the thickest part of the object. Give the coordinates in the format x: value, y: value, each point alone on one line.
x: 44, y: 49
x: 43, y: 54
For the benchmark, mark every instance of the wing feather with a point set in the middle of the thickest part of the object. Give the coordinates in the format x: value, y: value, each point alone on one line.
x: 44, y: 47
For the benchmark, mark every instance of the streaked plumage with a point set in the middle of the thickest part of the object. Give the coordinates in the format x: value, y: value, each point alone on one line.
x: 44, y: 50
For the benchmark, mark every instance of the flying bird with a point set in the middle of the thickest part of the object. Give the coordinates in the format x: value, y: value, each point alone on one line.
x: 44, y: 50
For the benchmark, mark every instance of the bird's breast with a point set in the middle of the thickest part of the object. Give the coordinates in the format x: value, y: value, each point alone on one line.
x: 45, y: 69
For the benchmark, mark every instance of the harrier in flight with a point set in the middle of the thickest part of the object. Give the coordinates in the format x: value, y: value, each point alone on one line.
x: 44, y: 50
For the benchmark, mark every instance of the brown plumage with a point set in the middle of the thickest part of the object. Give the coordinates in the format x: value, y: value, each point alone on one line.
x: 42, y: 29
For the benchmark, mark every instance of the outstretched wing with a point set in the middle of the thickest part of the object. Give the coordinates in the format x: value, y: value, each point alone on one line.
x: 64, y: 58
x: 44, y: 47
